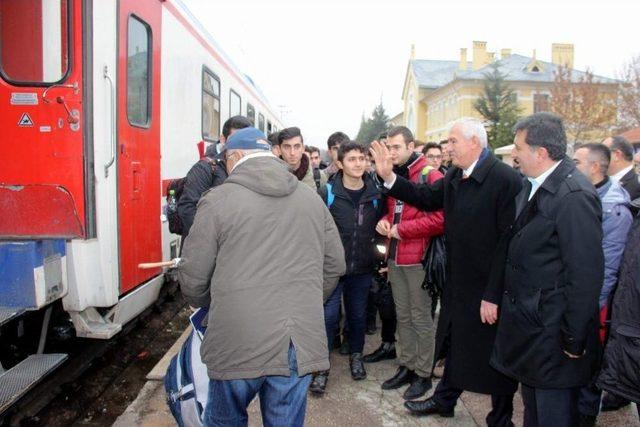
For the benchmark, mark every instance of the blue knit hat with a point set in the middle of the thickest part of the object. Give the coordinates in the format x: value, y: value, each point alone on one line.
x: 247, y: 139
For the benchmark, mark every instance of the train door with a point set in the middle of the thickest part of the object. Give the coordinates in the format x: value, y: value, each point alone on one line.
x: 139, y: 187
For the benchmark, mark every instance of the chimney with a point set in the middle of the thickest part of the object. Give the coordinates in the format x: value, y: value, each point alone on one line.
x: 505, y: 53
x: 413, y: 51
x: 562, y: 54
x: 479, y: 54
x: 491, y: 56
x: 463, y: 59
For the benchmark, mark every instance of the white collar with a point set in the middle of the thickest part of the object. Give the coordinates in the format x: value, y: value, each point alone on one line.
x: 543, y: 176
x: 252, y: 156
x: 468, y: 171
x: 617, y: 177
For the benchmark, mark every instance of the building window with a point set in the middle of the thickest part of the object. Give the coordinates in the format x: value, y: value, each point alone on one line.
x: 34, y: 40
x: 269, y: 127
x: 235, y: 104
x: 540, y: 102
x: 138, y: 72
x: 210, y: 106
x: 251, y: 113
x: 261, y: 122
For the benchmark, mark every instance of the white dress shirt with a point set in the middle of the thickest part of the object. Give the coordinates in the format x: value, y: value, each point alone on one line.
x: 537, y: 182
x: 617, y: 177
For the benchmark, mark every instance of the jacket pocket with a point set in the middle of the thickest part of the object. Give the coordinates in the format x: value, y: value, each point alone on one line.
x: 627, y: 357
x: 529, y: 306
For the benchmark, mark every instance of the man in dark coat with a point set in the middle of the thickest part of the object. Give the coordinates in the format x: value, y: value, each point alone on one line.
x: 206, y: 173
x: 620, y: 374
x: 621, y: 167
x: 547, y: 336
x: 478, y: 197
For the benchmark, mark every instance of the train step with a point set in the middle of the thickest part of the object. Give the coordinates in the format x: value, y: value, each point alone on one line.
x: 8, y: 313
x: 17, y: 381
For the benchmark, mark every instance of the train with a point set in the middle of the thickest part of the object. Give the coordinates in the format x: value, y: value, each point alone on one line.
x: 103, y: 103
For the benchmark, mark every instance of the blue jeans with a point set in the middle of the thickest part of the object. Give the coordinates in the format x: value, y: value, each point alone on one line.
x: 356, y: 291
x: 283, y: 400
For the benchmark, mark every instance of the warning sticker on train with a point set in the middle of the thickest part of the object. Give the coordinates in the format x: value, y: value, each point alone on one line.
x: 25, y: 121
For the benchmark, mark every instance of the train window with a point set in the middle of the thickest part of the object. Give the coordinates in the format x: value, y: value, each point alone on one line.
x: 269, y: 128
x: 138, y: 72
x: 210, y: 106
x: 251, y: 113
x: 34, y: 40
x: 261, y: 122
x: 235, y: 104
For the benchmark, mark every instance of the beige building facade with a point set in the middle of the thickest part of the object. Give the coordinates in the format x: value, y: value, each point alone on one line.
x: 438, y: 92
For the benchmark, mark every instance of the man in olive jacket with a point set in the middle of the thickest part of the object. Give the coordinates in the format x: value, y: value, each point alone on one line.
x: 547, y: 335
x: 263, y: 252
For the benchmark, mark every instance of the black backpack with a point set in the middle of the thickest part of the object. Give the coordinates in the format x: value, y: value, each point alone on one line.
x: 177, y: 185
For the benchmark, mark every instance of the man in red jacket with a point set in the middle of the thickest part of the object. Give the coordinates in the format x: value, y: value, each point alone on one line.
x: 409, y: 231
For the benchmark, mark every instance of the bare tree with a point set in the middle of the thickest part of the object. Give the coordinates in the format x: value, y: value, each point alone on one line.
x: 629, y: 100
x: 585, y: 105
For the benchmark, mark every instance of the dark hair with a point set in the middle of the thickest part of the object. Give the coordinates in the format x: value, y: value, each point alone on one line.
x: 235, y: 122
x: 545, y: 130
x: 620, y: 143
x: 337, y: 138
x: 289, y: 133
x: 273, y: 139
x: 444, y: 141
x: 311, y: 149
x: 401, y: 130
x: 429, y: 145
x: 383, y: 135
x: 345, y: 147
x: 601, y: 153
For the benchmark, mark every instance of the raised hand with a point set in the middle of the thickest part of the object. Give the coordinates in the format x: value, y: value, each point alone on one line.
x: 382, y: 158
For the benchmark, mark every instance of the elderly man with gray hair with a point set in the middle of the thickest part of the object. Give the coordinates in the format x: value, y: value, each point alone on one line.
x: 263, y: 253
x: 478, y: 197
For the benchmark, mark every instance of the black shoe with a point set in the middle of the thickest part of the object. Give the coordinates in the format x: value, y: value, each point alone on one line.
x: 419, y: 386
x: 587, y: 420
x: 427, y: 407
x: 403, y: 376
x: 387, y: 350
x: 344, y: 348
x: 611, y: 402
x: 319, y: 383
x: 357, y: 367
x: 371, y: 327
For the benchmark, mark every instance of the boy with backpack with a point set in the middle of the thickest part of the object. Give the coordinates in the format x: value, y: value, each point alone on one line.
x: 355, y: 204
x: 206, y: 173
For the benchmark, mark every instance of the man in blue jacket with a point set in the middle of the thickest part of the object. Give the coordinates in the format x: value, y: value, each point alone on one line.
x: 593, y: 161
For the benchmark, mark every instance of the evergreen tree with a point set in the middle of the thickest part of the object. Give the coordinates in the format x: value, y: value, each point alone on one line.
x: 499, y: 107
x: 371, y: 128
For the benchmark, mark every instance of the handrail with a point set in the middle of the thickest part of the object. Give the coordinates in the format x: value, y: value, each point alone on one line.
x: 105, y: 74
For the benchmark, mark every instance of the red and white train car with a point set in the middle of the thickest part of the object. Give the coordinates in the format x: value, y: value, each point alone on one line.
x: 102, y: 103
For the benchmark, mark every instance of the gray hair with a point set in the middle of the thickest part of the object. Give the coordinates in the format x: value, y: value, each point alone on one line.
x: 471, y: 127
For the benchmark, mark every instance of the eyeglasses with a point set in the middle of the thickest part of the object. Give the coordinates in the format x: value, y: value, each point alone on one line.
x: 433, y: 157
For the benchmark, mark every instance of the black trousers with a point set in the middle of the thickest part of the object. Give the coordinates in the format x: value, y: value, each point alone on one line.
x: 381, y: 301
x: 501, y: 405
x: 550, y: 407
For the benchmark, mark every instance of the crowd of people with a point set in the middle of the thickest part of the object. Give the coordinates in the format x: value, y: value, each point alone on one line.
x: 296, y: 257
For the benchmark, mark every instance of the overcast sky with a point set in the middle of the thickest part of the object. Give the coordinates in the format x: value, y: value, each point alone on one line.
x: 330, y: 61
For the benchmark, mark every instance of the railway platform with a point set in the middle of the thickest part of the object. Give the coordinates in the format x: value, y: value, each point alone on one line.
x: 346, y: 402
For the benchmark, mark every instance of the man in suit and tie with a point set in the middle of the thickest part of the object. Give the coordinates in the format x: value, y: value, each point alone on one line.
x: 554, y: 268
x: 621, y: 167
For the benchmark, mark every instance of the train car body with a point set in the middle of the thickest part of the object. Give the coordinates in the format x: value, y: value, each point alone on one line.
x: 102, y: 104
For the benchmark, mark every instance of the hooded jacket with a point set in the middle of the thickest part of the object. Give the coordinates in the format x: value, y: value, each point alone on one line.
x: 263, y: 252
x: 616, y: 222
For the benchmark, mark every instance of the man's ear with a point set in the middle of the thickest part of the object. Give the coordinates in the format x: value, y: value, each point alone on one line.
x: 339, y: 163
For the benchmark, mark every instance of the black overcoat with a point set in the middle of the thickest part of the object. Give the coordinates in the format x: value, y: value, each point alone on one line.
x: 554, y: 271
x: 477, y: 212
